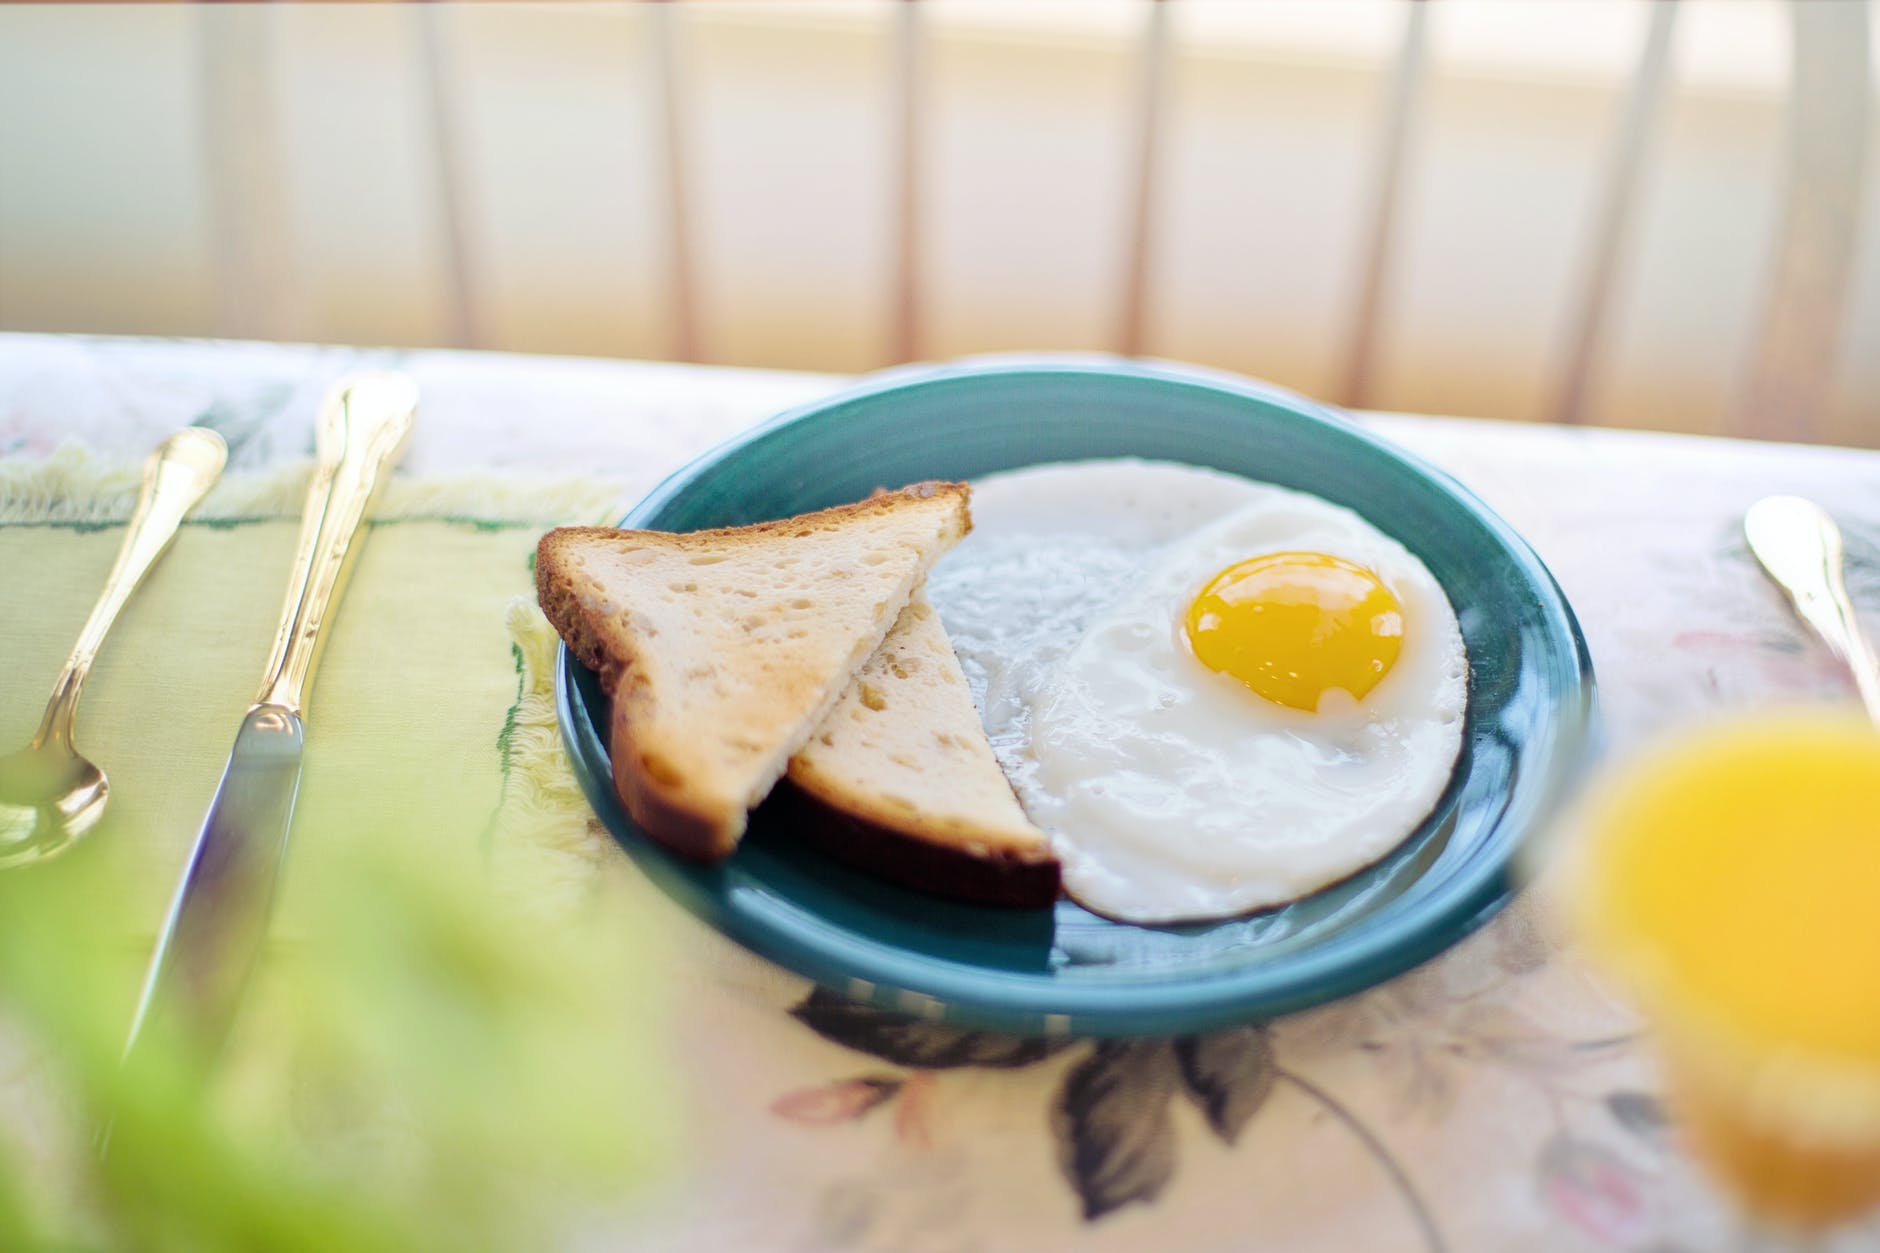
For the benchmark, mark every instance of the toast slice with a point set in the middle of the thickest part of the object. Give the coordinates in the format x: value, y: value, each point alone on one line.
x: 724, y: 650
x: 902, y: 781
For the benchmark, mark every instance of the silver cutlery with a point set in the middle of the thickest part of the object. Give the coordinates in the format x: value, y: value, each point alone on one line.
x: 218, y: 919
x: 1799, y: 547
x: 50, y: 793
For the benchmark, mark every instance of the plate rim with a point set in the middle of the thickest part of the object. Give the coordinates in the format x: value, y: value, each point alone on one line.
x: 912, y: 982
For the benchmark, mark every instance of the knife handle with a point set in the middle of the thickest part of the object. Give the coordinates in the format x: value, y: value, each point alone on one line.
x: 362, y: 429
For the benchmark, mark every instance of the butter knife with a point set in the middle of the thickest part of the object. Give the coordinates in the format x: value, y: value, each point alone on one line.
x: 218, y: 920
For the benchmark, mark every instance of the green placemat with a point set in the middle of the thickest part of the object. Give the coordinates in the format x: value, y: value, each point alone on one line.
x: 412, y: 723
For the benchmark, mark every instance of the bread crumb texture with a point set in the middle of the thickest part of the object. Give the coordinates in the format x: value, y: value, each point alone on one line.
x: 904, y: 749
x: 724, y: 649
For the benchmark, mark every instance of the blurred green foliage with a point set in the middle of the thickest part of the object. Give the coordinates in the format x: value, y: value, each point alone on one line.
x: 427, y: 1066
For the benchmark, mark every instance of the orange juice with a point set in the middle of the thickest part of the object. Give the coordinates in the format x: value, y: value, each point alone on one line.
x: 1732, y: 881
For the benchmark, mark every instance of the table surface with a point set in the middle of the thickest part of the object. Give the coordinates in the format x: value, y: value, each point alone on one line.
x: 1495, y: 1098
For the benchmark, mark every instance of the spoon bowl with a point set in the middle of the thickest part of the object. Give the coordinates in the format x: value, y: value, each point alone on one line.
x: 1799, y: 548
x: 50, y: 794
x: 49, y: 797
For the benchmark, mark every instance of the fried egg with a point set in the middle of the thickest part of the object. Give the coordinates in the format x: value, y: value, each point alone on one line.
x: 1216, y: 695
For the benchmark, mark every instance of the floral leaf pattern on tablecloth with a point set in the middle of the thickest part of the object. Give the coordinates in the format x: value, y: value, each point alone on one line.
x: 914, y: 1042
x: 1414, y: 1041
x: 1110, y: 1117
x: 830, y: 1103
x: 1424, y: 1039
x: 1643, y: 1115
x: 240, y: 421
x: 1589, y: 1185
x: 1116, y: 1142
x: 1860, y: 554
x: 1229, y: 1074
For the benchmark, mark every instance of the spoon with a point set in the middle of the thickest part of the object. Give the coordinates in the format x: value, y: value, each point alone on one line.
x: 1800, y: 549
x: 50, y: 795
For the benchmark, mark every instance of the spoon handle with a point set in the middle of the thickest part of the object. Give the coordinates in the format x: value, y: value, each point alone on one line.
x: 1799, y: 547
x: 362, y: 429
x: 176, y: 478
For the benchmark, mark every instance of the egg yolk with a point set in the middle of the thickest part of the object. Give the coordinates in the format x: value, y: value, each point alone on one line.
x: 1293, y: 626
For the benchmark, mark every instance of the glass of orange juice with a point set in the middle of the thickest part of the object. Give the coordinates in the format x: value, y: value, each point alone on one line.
x: 1731, y: 881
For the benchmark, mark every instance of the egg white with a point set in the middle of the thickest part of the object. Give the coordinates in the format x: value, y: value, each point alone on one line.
x: 1171, y: 792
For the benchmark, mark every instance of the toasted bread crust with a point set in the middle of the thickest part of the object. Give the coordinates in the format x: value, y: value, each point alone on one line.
x: 907, y: 857
x: 561, y: 606
x: 686, y: 828
x: 671, y: 809
x: 683, y: 827
x: 762, y: 531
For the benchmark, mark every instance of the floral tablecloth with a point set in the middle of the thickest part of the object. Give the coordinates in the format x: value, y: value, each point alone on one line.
x: 1496, y: 1098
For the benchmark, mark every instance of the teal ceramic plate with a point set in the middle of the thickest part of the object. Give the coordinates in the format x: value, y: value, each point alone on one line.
x: 1063, y: 970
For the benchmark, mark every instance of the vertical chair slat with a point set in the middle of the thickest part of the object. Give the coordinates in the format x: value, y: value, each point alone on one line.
x: 910, y: 86
x: 1798, y: 340
x: 669, y: 122
x: 250, y: 241
x: 443, y: 123
x: 1401, y: 99
x: 1613, y: 214
x: 1151, y: 104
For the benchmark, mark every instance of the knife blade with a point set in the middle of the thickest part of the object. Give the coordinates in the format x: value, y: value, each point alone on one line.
x: 218, y: 920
